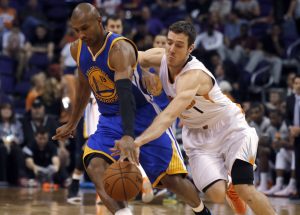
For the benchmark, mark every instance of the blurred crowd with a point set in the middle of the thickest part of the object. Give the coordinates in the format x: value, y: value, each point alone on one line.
x: 251, y: 46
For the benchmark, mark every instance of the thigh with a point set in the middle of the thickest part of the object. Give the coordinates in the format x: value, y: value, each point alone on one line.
x: 162, y: 157
x: 242, y: 145
x: 206, y: 169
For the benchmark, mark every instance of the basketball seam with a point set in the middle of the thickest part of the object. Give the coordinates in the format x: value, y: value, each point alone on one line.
x: 105, y: 178
x: 125, y: 194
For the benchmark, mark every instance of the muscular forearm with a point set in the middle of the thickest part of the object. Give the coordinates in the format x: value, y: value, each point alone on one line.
x: 160, y: 124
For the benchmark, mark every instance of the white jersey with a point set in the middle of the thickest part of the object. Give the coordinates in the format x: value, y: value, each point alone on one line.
x: 215, y: 132
x: 204, y: 110
x: 91, y: 117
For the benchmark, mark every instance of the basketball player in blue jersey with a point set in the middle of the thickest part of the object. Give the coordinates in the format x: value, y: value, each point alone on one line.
x: 107, y: 65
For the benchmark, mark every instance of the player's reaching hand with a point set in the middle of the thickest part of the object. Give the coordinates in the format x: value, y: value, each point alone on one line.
x: 126, y: 148
x: 64, y: 132
x: 152, y: 83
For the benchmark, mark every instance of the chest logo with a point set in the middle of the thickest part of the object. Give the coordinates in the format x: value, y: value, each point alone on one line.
x: 102, y: 86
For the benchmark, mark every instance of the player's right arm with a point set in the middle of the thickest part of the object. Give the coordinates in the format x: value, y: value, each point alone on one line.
x: 82, y: 97
x: 151, y: 58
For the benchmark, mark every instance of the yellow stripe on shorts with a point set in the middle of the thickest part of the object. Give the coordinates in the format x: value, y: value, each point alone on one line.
x: 176, y: 166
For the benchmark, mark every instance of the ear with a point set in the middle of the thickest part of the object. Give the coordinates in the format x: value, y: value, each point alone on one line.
x: 191, y: 48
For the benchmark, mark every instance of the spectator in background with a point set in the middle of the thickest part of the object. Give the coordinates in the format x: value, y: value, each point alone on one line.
x: 222, y: 7
x: 35, y: 119
x: 30, y: 17
x: 293, y: 121
x: 242, y: 47
x: 11, y: 139
x: 210, y: 40
x: 247, y: 9
x: 13, y: 43
x: 275, y: 99
x: 110, y: 7
x: 278, y: 133
x: 294, y: 12
x: 38, y: 85
x: 40, y: 44
x: 170, y: 10
x: 8, y: 16
x: 42, y: 159
x: 114, y: 24
x: 260, y: 122
x: 154, y: 25
x: 159, y: 41
x: 67, y: 63
x: 232, y: 27
x: 290, y: 82
x: 52, y: 97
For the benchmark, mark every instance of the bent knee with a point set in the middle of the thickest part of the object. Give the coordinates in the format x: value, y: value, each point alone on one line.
x: 245, y: 191
x: 217, y: 193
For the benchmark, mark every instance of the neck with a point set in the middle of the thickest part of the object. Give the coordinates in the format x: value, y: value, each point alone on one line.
x: 175, y: 70
x: 98, y: 44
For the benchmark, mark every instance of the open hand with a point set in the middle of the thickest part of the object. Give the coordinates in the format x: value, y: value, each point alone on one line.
x: 64, y: 132
x: 126, y: 148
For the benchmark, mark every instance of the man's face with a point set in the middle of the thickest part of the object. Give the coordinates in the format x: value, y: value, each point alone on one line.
x: 114, y: 26
x: 256, y: 114
x: 177, y: 48
x: 160, y: 41
x: 297, y: 85
x: 88, y: 29
x: 37, y: 113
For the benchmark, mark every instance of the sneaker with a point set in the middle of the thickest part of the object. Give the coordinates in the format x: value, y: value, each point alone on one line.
x: 147, y: 191
x: 287, y: 191
x: 273, y: 190
x: 205, y: 211
x: 262, y: 188
x: 159, y: 195
x: 73, y: 197
x: 234, y: 201
x: 295, y: 198
x: 98, y: 200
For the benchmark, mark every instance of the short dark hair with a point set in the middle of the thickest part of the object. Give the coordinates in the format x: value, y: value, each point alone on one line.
x: 186, y: 28
x: 112, y: 17
x: 41, y: 130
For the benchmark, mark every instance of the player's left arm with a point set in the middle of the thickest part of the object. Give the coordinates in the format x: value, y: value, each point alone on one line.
x: 122, y: 59
x: 187, y: 86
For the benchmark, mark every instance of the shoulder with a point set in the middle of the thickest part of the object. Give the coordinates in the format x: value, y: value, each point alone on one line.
x: 74, y: 48
x: 122, y: 45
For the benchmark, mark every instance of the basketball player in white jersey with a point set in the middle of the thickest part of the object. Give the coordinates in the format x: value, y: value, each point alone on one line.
x: 216, y: 136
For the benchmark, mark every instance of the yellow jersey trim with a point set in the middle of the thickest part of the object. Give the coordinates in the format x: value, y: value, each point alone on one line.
x: 78, y: 51
x: 132, y: 43
x: 88, y: 150
x: 176, y: 166
x: 100, y: 50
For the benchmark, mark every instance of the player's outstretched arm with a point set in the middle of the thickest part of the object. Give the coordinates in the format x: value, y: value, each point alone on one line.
x: 151, y: 58
x: 187, y: 86
x: 82, y: 96
x: 122, y: 59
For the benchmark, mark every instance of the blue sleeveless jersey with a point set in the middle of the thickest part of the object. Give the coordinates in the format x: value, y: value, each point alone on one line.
x: 100, y: 75
x: 159, y: 157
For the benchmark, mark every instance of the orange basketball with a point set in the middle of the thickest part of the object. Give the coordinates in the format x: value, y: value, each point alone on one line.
x: 122, y: 181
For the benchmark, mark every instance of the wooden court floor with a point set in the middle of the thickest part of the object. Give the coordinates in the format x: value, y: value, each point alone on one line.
x: 29, y: 201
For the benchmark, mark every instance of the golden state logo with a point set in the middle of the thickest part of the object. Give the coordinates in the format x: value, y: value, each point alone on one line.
x: 103, y: 87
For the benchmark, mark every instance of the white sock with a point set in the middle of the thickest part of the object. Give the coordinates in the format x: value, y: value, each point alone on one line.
x: 292, y: 182
x: 199, y: 208
x: 76, y: 176
x: 124, y: 211
x: 279, y: 181
x: 264, y: 179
